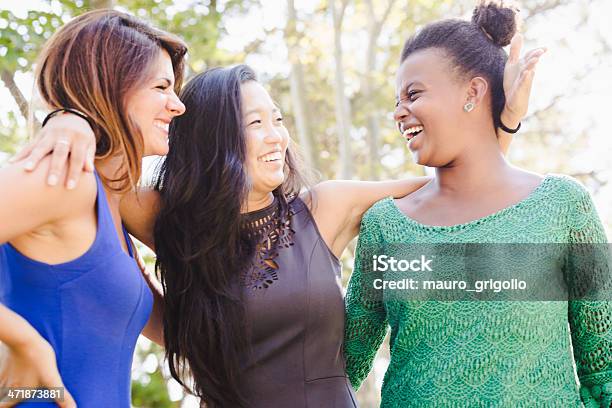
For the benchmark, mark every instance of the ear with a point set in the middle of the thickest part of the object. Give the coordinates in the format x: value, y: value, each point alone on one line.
x: 477, y: 89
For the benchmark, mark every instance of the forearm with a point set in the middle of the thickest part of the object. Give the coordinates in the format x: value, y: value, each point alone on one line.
x: 592, y: 343
x: 341, y: 205
x: 367, y: 193
x: 154, y: 329
x: 15, y: 331
x: 365, y: 329
x: 397, y: 188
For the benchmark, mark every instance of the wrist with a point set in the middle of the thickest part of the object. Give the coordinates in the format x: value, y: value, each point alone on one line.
x: 29, y: 340
x: 510, y: 119
x: 67, y: 111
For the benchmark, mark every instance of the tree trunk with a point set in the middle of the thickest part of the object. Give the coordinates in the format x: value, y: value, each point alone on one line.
x: 370, y: 107
x: 343, y: 114
x: 297, y: 87
x: 373, y: 114
x: 9, y: 81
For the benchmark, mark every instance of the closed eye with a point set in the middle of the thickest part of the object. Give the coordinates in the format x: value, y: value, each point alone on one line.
x: 410, y: 97
x: 412, y: 94
x: 255, y: 121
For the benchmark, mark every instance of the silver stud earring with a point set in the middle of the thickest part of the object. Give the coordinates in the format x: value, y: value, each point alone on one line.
x: 468, y: 107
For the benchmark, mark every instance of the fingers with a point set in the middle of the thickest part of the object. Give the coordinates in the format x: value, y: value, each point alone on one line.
x: 526, y: 80
x: 43, y: 147
x: 531, y: 64
x: 68, y: 401
x: 23, y: 153
x: 54, y: 380
x: 538, y: 52
x: 515, y: 48
x: 78, y: 156
x: 10, y: 404
x: 58, y: 161
x: 89, y: 160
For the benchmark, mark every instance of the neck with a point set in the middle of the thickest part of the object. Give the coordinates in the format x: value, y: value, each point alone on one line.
x: 257, y: 201
x: 480, y: 168
x: 110, y: 168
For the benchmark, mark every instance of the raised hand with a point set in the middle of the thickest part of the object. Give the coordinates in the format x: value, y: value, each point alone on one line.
x: 518, y: 78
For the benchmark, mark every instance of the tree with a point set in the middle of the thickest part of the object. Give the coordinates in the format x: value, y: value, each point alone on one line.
x: 298, y: 94
x: 343, y: 112
x: 373, y: 114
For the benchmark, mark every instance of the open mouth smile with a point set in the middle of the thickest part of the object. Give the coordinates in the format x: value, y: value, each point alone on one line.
x: 411, y: 132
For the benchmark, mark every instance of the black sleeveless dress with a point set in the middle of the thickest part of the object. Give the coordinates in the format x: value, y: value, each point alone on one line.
x: 295, y: 312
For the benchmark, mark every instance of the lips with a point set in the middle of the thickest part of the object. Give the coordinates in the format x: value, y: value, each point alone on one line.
x: 160, y: 124
x: 271, y: 157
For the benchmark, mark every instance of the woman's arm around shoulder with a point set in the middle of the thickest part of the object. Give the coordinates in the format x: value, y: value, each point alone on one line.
x: 337, y: 206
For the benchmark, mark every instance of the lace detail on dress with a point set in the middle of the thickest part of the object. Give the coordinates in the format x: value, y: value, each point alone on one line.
x: 272, y: 234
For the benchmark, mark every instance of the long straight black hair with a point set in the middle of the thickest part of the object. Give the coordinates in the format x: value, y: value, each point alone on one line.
x: 201, y: 251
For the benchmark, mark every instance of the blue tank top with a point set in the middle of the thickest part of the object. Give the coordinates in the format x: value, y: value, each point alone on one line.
x: 91, y: 310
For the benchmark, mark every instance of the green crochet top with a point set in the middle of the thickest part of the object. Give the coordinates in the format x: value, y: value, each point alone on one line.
x: 486, y: 353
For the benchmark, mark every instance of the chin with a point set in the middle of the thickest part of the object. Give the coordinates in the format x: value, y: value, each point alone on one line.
x: 419, y: 158
x: 276, y: 183
x: 157, y: 151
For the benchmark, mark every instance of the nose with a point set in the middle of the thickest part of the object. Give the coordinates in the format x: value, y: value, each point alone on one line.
x: 273, y: 135
x: 400, y: 114
x: 175, y: 106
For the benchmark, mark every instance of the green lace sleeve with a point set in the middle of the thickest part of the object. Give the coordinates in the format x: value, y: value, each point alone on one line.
x: 366, y: 321
x: 591, y: 320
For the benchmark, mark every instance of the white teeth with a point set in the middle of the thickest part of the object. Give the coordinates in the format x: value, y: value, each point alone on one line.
x: 412, y: 130
x: 161, y: 125
x: 271, y: 157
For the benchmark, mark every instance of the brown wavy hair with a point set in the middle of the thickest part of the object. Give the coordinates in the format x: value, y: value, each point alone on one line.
x: 91, y: 64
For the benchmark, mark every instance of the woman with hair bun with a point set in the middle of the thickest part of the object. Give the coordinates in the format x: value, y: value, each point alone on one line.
x: 472, y: 353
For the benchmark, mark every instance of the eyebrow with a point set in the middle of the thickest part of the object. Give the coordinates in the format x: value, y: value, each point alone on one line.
x: 257, y: 110
x: 170, y: 82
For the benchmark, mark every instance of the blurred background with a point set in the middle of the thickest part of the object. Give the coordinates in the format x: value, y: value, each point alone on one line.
x: 330, y: 65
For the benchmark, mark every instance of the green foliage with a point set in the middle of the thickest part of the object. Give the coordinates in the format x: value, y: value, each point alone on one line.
x: 149, y: 386
x: 11, y: 135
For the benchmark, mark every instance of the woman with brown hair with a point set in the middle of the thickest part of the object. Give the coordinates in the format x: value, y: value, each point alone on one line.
x: 74, y: 299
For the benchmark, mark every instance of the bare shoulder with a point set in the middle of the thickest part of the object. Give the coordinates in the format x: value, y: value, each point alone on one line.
x: 525, y: 180
x: 417, y: 197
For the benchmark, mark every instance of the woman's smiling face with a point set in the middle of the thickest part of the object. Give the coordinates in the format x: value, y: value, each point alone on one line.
x: 430, y: 105
x: 153, y: 105
x: 266, y: 138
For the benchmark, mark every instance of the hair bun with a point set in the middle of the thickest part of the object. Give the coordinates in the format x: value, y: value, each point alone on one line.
x: 498, y: 20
